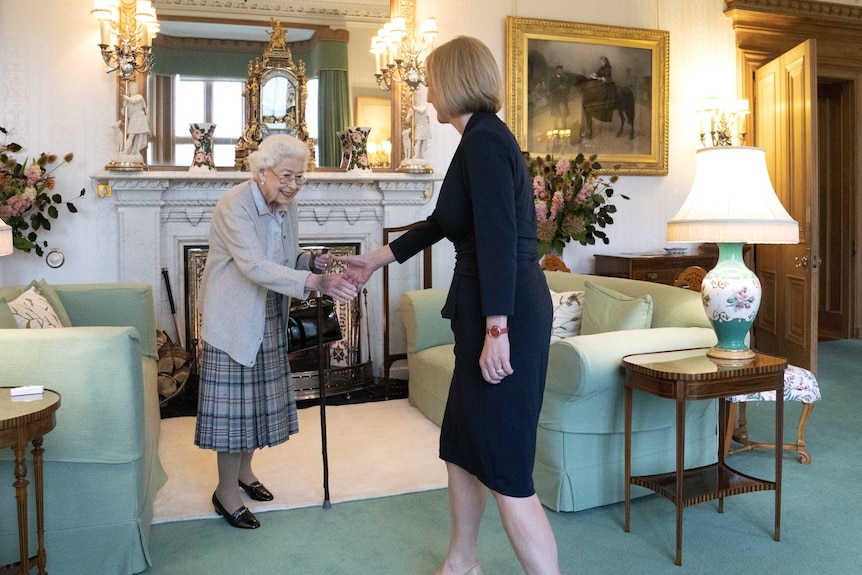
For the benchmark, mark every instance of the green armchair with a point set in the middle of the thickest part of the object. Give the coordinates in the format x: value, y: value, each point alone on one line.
x: 102, y: 468
x: 580, y: 449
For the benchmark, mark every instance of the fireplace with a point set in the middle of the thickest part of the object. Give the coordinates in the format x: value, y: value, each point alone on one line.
x: 348, y: 366
x: 161, y: 214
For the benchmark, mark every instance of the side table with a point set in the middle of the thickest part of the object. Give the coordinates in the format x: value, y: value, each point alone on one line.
x: 686, y: 375
x: 24, y: 420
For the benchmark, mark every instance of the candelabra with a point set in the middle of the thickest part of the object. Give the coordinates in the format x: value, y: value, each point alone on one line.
x: 127, y: 28
x: 723, y: 122
x: 398, y: 54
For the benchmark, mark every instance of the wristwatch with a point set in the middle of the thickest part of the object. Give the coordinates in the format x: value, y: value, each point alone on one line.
x: 496, y: 331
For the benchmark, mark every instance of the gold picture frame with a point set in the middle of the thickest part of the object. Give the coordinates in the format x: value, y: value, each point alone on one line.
x: 563, y: 99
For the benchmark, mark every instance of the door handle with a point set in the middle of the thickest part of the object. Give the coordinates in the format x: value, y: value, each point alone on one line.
x: 800, y: 262
x: 816, y: 261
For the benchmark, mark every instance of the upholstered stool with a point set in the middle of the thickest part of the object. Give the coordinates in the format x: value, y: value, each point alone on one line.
x: 799, y: 385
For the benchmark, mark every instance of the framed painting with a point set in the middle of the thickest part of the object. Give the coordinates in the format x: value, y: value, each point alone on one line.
x: 589, y: 88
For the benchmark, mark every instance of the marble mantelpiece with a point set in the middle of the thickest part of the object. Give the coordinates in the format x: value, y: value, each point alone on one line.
x: 161, y: 213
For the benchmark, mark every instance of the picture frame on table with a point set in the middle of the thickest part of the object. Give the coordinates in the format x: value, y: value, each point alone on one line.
x: 588, y: 88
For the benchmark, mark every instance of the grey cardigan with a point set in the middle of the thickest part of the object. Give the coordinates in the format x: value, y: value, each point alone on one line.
x: 237, y: 276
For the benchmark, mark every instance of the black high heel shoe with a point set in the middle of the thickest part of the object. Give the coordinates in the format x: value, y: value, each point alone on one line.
x: 257, y: 491
x: 242, y: 518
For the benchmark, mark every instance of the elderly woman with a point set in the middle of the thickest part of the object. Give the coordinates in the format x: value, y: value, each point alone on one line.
x: 246, y: 399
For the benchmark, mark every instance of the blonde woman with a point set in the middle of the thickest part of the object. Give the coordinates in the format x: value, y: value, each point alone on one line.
x: 500, y: 310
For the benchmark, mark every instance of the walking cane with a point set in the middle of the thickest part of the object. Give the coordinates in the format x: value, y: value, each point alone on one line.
x: 321, y: 378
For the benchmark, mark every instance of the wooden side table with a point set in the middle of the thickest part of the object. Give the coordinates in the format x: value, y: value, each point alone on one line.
x: 23, y: 421
x: 690, y: 375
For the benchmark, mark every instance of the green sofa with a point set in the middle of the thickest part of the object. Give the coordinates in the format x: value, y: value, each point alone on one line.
x: 102, y: 468
x: 580, y: 451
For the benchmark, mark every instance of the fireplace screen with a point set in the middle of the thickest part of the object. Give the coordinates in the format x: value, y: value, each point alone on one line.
x: 346, y: 371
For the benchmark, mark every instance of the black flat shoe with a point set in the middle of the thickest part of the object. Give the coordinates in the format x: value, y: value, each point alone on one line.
x: 257, y: 491
x: 242, y: 518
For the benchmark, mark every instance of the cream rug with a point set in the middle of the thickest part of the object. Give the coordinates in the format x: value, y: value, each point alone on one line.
x: 375, y: 449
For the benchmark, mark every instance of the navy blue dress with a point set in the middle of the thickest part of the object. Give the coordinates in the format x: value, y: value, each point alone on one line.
x: 486, y: 209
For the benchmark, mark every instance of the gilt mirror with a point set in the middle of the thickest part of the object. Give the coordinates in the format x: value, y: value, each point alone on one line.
x: 275, y: 98
x: 205, y: 47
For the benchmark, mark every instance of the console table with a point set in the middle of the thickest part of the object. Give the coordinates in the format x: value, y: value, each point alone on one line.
x: 690, y: 375
x: 652, y: 266
x: 23, y: 420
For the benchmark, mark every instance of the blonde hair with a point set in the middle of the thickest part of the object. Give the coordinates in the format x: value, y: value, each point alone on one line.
x: 273, y: 149
x: 465, y: 77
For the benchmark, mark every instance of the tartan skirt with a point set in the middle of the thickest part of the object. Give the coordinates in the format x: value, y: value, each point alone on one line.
x: 245, y: 408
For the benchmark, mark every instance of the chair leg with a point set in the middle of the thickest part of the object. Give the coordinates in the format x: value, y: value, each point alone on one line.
x: 740, y: 435
x: 804, y: 456
x: 731, y: 424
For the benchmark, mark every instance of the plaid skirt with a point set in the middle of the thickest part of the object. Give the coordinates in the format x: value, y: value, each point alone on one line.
x: 245, y: 408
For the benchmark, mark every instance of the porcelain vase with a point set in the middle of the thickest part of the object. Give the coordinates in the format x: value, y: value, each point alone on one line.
x: 345, y: 149
x: 202, y: 137
x: 357, y: 137
x: 731, y: 296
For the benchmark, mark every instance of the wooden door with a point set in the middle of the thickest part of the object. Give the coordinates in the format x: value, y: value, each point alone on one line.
x: 785, y: 126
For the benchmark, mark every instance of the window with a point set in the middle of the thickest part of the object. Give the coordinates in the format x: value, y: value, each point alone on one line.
x: 207, y: 100
x: 177, y: 101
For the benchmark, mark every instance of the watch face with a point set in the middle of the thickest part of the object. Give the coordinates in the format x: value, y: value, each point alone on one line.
x: 494, y: 331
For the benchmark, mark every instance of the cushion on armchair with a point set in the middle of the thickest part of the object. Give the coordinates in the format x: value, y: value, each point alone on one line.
x: 608, y: 310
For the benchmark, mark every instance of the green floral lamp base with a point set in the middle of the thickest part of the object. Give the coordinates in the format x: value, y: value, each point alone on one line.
x: 731, y: 298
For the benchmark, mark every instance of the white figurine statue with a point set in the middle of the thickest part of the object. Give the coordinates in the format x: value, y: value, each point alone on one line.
x: 417, y: 137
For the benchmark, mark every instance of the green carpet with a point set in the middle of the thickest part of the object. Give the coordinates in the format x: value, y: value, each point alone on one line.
x: 408, y: 534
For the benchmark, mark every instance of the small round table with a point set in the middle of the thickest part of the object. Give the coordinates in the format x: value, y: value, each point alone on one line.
x: 22, y: 420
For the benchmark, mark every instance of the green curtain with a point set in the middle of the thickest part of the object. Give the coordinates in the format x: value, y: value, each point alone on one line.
x: 333, y: 113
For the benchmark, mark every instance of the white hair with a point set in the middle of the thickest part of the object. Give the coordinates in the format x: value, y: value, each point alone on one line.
x: 274, y: 149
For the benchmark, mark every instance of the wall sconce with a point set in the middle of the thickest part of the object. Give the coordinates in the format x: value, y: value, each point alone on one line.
x: 722, y: 122
x: 398, y: 53
x: 127, y: 29
x: 732, y: 203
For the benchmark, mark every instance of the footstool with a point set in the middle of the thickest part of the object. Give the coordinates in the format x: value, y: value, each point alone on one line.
x: 799, y: 385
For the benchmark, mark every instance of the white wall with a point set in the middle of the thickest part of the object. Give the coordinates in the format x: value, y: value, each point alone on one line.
x: 55, y: 97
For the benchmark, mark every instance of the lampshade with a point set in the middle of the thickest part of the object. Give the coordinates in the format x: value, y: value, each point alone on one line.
x: 5, y: 238
x: 732, y: 200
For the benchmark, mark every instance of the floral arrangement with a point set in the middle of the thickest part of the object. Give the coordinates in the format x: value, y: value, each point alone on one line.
x: 572, y: 201
x: 27, y: 201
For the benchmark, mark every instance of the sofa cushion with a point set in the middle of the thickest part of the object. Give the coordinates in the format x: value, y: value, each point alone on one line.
x: 608, y: 310
x: 568, y: 309
x: 32, y: 310
x: 46, y: 300
x: 7, y: 320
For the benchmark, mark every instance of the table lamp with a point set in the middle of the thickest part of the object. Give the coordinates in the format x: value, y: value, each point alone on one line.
x: 5, y: 238
x: 732, y: 202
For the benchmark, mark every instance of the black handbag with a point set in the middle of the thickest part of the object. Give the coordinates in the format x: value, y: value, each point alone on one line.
x: 302, y: 328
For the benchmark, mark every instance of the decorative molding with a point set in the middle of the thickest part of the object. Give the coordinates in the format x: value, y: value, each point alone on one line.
x: 800, y: 8
x: 305, y: 10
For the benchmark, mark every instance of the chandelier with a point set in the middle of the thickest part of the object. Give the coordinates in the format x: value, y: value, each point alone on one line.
x: 398, y: 54
x: 127, y: 28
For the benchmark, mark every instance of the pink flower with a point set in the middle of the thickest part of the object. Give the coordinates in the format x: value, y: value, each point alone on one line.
x: 562, y: 166
x: 557, y: 204
x: 34, y: 174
